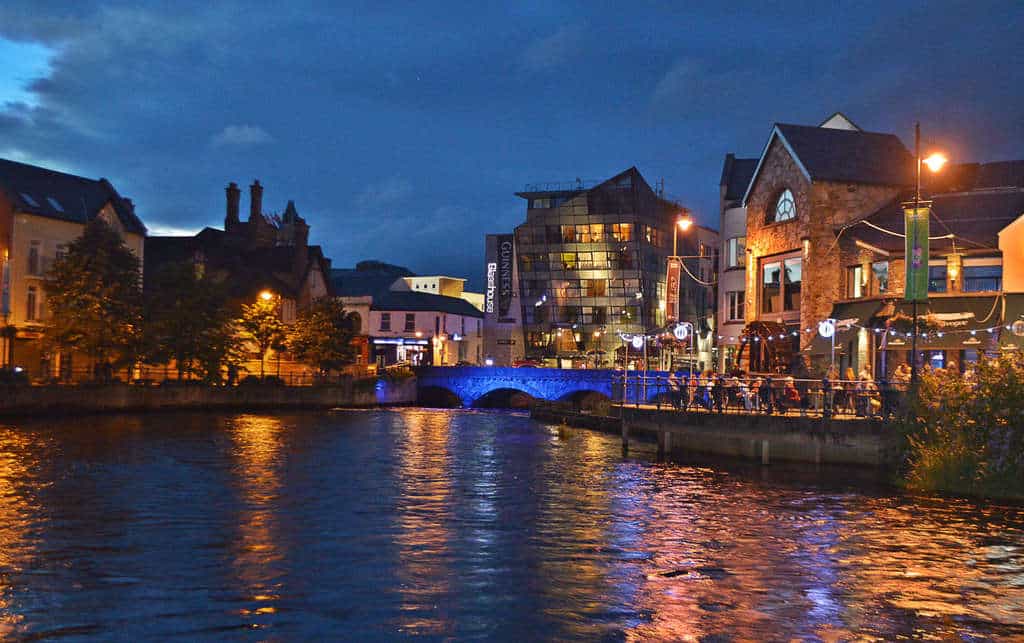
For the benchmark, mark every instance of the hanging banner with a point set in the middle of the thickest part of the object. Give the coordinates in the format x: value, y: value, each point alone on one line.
x: 916, y: 226
x: 505, y: 259
x: 672, y: 289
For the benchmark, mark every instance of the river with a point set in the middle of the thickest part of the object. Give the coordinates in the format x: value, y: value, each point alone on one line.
x: 366, y: 525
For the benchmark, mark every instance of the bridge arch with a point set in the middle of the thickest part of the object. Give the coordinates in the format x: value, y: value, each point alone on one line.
x: 471, y: 383
x: 440, y: 397
x: 504, y: 398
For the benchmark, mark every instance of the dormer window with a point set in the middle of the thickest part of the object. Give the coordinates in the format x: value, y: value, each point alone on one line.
x: 785, y: 207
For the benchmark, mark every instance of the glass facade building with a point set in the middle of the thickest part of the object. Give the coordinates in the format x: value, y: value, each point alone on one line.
x: 591, y: 263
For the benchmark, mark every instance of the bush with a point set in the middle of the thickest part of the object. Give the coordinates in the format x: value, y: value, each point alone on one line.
x: 966, y: 432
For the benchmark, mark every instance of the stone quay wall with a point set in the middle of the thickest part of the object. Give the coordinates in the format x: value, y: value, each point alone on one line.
x: 858, y: 442
x: 113, y: 398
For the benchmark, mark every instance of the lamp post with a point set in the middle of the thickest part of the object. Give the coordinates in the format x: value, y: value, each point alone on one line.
x: 934, y: 163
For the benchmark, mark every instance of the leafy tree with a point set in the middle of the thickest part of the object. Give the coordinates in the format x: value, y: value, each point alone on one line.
x: 322, y: 336
x: 188, y: 320
x: 261, y: 324
x: 95, y: 299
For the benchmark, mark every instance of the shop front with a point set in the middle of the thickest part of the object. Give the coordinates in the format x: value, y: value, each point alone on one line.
x: 401, y: 350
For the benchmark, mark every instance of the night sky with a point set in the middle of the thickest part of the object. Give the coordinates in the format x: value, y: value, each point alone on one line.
x: 402, y: 130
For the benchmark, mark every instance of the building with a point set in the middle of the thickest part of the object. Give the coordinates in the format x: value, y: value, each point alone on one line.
x: 264, y: 253
x: 591, y: 265
x: 736, y: 173
x: 41, y: 211
x: 824, y: 240
x: 441, y: 285
x: 503, y: 315
x: 406, y: 324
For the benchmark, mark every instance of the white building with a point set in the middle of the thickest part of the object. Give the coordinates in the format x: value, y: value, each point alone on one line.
x: 732, y: 225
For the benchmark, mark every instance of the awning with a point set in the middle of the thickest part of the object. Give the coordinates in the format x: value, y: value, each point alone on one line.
x: 1014, y: 311
x: 955, y: 322
x: 848, y: 313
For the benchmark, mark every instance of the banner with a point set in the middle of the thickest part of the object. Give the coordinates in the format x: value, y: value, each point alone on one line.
x: 916, y: 226
x: 672, y: 289
x: 505, y: 258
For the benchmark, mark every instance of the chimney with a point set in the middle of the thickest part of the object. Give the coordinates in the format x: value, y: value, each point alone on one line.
x: 234, y: 196
x: 255, y: 202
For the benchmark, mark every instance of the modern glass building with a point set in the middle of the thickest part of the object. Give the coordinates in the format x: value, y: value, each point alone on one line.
x: 591, y: 265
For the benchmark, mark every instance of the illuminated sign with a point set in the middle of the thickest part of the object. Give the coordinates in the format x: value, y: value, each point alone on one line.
x: 681, y: 332
x: 504, y: 274
x: 827, y: 328
x: 492, y: 272
x: 638, y: 341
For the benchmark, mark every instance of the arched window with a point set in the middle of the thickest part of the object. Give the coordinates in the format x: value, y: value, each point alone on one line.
x: 785, y: 207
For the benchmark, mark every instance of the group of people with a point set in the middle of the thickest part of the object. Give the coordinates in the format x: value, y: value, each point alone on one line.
x: 853, y: 394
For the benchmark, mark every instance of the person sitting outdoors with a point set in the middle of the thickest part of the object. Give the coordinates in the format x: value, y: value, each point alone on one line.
x: 791, y: 398
x: 674, y: 387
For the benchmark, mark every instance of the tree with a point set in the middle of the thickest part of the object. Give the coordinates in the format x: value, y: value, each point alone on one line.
x: 95, y: 299
x: 261, y: 324
x: 322, y: 336
x: 189, y: 320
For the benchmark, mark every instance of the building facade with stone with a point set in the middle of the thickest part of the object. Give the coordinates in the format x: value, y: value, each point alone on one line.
x: 824, y: 240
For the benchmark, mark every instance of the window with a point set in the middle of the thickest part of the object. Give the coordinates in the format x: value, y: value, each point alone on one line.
x: 652, y: 235
x: 785, y: 207
x: 937, y: 278
x: 855, y: 282
x: 33, y: 258
x: 29, y: 200
x: 734, y: 301
x: 880, y: 274
x: 771, y: 288
x: 385, y: 321
x: 794, y: 279
x: 540, y: 203
x: 983, y: 278
x: 553, y: 234
x: 410, y: 322
x: 595, y: 287
x: 62, y: 250
x: 479, y: 330
x: 568, y: 260
x: 568, y: 234
x: 734, y: 249
x: 55, y: 203
x: 622, y: 231
x: 30, y: 304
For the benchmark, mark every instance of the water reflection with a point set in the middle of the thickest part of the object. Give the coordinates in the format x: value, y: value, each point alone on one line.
x: 450, y: 524
x: 258, y: 552
x: 423, y: 517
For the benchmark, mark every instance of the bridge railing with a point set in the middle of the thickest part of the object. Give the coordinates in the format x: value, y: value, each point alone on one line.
x: 760, y: 395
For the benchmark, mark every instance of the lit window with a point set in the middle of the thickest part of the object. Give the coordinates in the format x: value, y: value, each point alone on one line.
x: 734, y: 249
x: 771, y: 288
x: 735, y: 304
x: 785, y: 207
x: 854, y: 282
x: 880, y: 272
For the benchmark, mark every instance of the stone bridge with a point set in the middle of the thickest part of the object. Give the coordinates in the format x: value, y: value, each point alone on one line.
x: 471, y: 383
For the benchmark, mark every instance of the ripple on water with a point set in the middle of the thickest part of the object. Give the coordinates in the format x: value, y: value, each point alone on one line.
x: 445, y: 524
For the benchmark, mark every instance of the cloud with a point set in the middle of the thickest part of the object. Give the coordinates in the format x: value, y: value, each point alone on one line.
x: 160, y: 229
x: 241, y: 135
x: 555, y: 50
x: 383, y: 194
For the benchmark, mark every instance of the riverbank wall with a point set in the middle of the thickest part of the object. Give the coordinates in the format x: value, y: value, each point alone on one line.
x: 115, y: 398
x: 858, y: 442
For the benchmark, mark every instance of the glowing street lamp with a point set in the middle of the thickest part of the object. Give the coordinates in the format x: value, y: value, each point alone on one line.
x: 935, y: 161
x: 266, y: 295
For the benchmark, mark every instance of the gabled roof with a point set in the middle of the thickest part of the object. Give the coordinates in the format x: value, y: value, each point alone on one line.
x: 842, y: 156
x: 56, y: 195
x: 413, y: 301
x: 974, y: 217
x: 736, y: 175
x: 373, y: 281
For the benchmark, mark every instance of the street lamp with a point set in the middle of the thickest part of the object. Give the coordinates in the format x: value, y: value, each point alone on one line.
x: 934, y: 162
x: 266, y: 295
x: 682, y: 223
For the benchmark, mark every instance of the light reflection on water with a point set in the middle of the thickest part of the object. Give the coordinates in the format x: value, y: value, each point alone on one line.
x: 375, y: 524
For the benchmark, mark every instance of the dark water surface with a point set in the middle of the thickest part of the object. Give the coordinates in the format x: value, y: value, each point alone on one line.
x: 370, y: 525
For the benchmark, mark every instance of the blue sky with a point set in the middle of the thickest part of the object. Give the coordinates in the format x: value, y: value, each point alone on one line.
x: 401, y: 130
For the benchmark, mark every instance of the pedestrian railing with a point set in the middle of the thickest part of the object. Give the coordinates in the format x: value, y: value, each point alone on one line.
x: 764, y: 395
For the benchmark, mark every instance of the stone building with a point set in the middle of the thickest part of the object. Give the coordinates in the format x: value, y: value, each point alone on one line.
x: 808, y: 183
x: 265, y: 253
x: 824, y: 240
x: 41, y: 211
